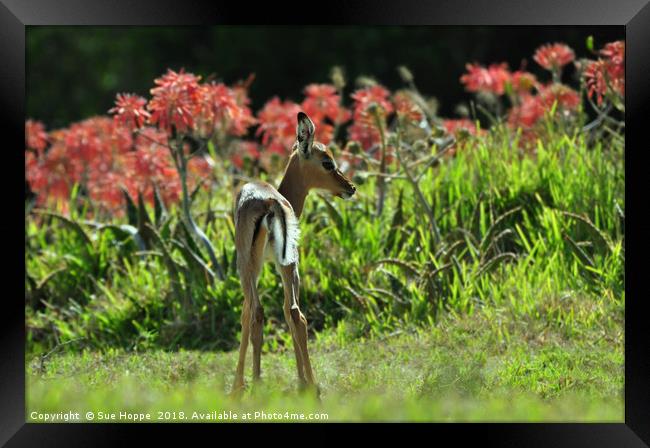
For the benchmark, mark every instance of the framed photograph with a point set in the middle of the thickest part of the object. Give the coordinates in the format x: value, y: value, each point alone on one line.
x: 370, y: 213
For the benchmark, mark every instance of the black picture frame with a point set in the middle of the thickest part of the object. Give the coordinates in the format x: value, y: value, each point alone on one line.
x: 634, y: 15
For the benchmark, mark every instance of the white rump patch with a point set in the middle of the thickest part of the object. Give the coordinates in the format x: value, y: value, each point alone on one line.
x: 251, y: 191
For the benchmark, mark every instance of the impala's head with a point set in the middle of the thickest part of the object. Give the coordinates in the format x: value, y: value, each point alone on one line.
x: 317, y: 164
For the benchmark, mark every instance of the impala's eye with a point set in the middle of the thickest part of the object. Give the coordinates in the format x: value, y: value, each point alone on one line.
x: 328, y: 164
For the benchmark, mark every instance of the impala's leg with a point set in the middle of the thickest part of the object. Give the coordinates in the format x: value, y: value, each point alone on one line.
x: 249, y: 266
x: 300, y: 323
x: 302, y: 382
x: 297, y: 322
x: 253, y: 322
x: 296, y: 347
x: 243, y: 345
x: 257, y: 326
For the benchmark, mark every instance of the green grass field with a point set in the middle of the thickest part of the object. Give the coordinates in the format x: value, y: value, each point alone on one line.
x: 457, y: 371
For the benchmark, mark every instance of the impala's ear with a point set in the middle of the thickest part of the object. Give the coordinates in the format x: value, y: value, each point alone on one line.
x: 305, y: 134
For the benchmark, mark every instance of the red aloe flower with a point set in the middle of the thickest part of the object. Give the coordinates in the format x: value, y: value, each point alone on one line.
x: 105, y: 190
x: 324, y: 132
x: 566, y: 97
x: 364, y: 129
x: 129, y: 111
x: 454, y: 126
x: 607, y: 73
x: 279, y: 147
x: 150, y: 164
x: 222, y: 108
x: 33, y: 171
x: 523, y: 82
x: 200, y: 167
x: 363, y: 98
x: 527, y: 113
x: 120, y: 138
x: 406, y: 108
x: 322, y: 101
x: 35, y: 136
x: 87, y: 152
x: 277, y: 125
x: 99, y: 153
x: 214, y: 105
x: 246, y: 149
x: 174, y: 101
x: 84, y: 144
x: 615, y: 52
x: 554, y: 56
x: 366, y: 134
x: 150, y: 135
x: 491, y: 79
x: 49, y: 175
x: 595, y: 80
x: 241, y: 118
x: 477, y: 78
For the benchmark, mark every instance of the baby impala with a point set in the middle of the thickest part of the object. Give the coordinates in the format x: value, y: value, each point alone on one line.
x: 266, y: 228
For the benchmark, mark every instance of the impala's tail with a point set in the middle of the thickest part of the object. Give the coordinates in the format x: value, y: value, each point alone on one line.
x: 256, y: 208
x: 281, y: 223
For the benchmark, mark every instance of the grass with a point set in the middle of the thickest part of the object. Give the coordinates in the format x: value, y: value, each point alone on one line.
x: 456, y: 371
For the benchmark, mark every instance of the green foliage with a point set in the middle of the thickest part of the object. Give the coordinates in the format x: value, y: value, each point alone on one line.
x: 514, y: 229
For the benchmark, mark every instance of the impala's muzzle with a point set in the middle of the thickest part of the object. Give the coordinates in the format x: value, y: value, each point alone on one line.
x: 349, y: 193
x: 345, y: 187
